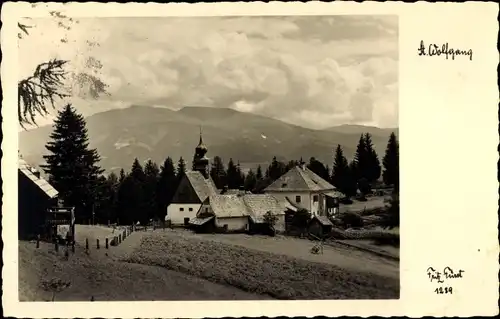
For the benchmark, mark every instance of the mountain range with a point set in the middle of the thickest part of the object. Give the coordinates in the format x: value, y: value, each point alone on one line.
x: 145, y: 132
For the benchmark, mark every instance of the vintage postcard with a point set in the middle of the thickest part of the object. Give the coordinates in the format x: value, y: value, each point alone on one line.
x: 249, y: 159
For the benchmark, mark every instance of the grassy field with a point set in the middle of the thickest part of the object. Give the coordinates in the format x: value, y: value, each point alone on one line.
x: 280, y: 267
x: 101, y: 275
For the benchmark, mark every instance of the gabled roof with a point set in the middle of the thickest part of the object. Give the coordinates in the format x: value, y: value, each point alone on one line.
x: 228, y: 205
x: 259, y: 204
x: 203, y: 187
x: 254, y: 206
x: 300, y: 179
x: 29, y: 172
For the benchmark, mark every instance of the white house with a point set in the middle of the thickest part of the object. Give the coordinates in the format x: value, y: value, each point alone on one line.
x: 240, y: 212
x: 194, y: 188
x: 303, y: 188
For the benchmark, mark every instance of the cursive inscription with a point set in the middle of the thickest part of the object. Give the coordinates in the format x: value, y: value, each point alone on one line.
x: 446, y: 273
x: 442, y: 50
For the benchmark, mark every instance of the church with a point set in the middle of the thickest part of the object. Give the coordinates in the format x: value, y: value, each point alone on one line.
x: 194, y: 188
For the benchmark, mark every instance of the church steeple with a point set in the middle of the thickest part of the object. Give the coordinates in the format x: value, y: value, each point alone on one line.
x: 200, y: 161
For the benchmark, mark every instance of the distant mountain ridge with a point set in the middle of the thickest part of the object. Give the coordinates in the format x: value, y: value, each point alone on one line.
x: 146, y: 132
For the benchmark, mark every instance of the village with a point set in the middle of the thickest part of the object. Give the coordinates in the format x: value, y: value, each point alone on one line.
x: 300, y: 215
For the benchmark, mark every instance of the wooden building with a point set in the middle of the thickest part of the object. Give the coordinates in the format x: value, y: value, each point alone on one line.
x: 35, y: 197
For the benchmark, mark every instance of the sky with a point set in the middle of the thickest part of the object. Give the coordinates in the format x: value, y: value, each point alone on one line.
x: 313, y: 71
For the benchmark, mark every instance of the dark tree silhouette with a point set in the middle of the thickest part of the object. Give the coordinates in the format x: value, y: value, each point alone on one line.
x: 391, y: 163
x: 250, y: 181
x: 318, y: 168
x: 218, y: 172
x: 72, y: 165
x: 373, y: 169
x: 167, y: 185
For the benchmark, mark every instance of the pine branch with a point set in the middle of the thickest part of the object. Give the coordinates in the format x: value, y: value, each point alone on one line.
x: 42, y: 88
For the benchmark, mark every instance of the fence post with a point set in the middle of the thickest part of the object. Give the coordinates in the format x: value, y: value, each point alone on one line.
x: 107, y: 244
x: 86, y: 243
x: 73, y: 246
x: 97, y: 243
x: 37, y: 241
x: 57, y: 245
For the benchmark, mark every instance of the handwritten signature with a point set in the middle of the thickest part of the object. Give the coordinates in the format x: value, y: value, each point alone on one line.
x: 442, y: 50
x: 447, y: 273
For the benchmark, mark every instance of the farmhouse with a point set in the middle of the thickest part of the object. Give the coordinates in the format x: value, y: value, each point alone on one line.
x: 239, y: 213
x: 194, y: 188
x: 302, y: 188
x: 35, y: 197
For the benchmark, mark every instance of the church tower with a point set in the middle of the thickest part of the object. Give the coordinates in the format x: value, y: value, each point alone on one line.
x: 200, y: 161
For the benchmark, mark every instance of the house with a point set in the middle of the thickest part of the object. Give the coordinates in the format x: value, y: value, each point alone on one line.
x: 35, y: 197
x: 239, y: 213
x: 305, y: 189
x: 193, y: 189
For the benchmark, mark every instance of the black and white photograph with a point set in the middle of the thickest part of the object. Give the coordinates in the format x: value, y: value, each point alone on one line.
x: 244, y: 160
x: 208, y: 158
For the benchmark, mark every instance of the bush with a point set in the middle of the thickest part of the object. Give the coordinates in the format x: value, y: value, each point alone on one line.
x: 350, y: 219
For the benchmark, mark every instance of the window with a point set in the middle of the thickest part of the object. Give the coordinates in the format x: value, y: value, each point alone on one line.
x: 315, y: 198
x: 190, y: 209
x: 297, y: 199
x: 181, y: 209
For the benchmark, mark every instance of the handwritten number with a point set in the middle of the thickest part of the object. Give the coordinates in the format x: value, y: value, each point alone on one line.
x: 446, y: 290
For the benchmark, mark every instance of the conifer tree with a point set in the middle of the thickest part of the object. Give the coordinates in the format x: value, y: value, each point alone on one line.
x: 341, y: 177
x: 72, y: 165
x: 233, y: 176
x: 181, y: 168
x: 318, y: 168
x: 276, y: 169
x: 359, y: 163
x: 121, y: 176
x: 218, y: 172
x: 250, y: 181
x: 151, y: 172
x: 391, y: 163
x: 258, y: 174
x: 167, y: 185
x: 373, y: 168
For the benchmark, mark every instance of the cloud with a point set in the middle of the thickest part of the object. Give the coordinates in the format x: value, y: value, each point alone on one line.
x: 310, y: 71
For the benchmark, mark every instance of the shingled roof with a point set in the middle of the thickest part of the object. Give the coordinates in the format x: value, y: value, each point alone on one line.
x: 300, y: 179
x: 254, y: 206
x: 204, y: 187
x: 29, y: 172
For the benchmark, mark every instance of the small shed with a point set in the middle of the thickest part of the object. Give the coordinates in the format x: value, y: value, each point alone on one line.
x: 320, y: 226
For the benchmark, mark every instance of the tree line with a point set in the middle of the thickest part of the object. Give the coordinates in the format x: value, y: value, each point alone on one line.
x: 145, y: 192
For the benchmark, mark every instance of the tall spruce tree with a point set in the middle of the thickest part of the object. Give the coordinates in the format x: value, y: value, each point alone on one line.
x: 258, y: 174
x: 250, y: 181
x: 373, y: 168
x: 181, y: 168
x: 151, y: 172
x: 341, y: 177
x: 121, y: 176
x: 391, y: 163
x: 72, y: 165
x: 139, y: 198
x: 241, y: 175
x: 276, y: 169
x: 218, y: 172
x: 359, y: 163
x: 233, y: 175
x: 167, y: 185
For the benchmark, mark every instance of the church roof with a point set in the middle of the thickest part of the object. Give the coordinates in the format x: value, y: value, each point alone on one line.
x: 203, y: 187
x: 300, y: 179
